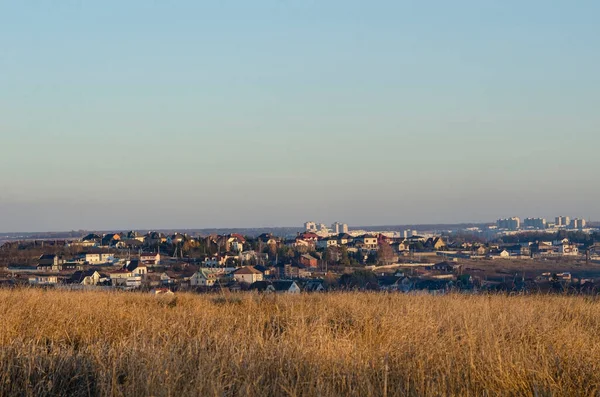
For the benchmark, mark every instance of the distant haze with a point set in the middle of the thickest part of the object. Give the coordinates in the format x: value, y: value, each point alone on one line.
x: 187, y: 114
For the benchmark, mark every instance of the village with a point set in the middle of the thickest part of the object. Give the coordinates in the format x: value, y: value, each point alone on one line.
x: 314, y: 260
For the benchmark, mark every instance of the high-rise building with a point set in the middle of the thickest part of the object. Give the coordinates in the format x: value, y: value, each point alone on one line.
x: 578, y: 223
x: 335, y: 228
x: 562, y: 221
x: 535, y: 223
x: 338, y: 228
x: 310, y: 226
x: 513, y: 223
x: 344, y: 228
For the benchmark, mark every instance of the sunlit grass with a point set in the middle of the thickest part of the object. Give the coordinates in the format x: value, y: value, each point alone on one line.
x: 100, y: 343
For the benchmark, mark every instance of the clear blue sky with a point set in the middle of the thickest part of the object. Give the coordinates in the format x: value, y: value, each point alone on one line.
x: 166, y: 114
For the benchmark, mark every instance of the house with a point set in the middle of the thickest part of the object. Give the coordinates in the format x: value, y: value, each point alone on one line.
x: 91, y: 240
x: 289, y: 287
x: 368, y: 241
x: 266, y: 271
x: 308, y: 260
x: 150, y: 259
x: 49, y: 263
x: 286, y: 287
x: 96, y: 258
x: 43, y: 280
x: 168, y: 278
x: 71, y: 266
x: 268, y: 239
x: 153, y: 239
x: 87, y: 277
x: 262, y: 286
x: 308, y: 236
x: 481, y: 250
x: 401, y: 246
x: 129, y: 243
x: 326, y: 242
x: 445, y: 266
x: 111, y: 239
x: 162, y: 292
x: 568, y: 250
x: 299, y: 243
x: 203, y: 278
x: 543, y: 248
x: 435, y: 243
x: 389, y: 283
x: 415, y: 238
x: 235, y: 242
x: 314, y: 286
x: 120, y: 277
x: 136, y: 268
x: 176, y: 239
x: 344, y: 239
x: 248, y: 275
x: 133, y: 235
x: 517, y: 249
x: 307, y: 240
x: 502, y: 254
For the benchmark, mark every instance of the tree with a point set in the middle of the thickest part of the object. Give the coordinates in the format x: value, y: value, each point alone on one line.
x: 385, y: 254
x: 344, y: 257
x: 358, y: 279
x: 372, y: 258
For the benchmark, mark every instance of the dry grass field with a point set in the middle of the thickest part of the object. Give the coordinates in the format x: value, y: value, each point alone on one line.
x: 358, y: 344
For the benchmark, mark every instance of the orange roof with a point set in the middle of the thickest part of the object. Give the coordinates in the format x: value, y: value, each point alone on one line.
x: 247, y: 270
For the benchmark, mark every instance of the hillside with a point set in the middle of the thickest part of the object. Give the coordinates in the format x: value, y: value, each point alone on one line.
x: 101, y: 343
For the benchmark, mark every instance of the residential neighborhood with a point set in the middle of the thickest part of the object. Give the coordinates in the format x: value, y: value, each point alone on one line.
x: 314, y: 259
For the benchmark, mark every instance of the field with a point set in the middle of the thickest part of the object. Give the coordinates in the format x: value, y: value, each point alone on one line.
x: 360, y: 344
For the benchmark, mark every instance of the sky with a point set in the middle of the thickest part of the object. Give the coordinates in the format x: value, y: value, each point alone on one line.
x: 149, y: 114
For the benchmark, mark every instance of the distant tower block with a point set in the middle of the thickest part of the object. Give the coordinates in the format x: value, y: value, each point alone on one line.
x: 310, y: 226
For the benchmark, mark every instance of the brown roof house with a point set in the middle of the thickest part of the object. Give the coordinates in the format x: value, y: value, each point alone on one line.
x: 248, y: 275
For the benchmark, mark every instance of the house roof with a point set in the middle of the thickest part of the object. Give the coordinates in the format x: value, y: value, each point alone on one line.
x: 247, y: 270
x: 79, y: 275
x: 260, y: 285
x: 134, y: 264
x: 283, y: 285
x: 386, y: 281
x: 261, y: 268
x: 120, y: 271
x: 47, y: 257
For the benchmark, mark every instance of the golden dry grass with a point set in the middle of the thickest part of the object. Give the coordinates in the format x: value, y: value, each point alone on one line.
x: 360, y: 344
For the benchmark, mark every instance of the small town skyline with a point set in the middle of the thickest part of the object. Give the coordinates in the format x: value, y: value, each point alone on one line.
x: 298, y: 226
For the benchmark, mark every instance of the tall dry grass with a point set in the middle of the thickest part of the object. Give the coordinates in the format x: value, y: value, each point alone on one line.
x: 359, y: 344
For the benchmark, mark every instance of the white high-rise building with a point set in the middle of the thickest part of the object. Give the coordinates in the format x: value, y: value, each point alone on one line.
x: 335, y: 228
x: 338, y: 228
x: 535, y: 223
x: 310, y: 226
x: 344, y: 228
x: 513, y: 223
x: 578, y: 223
x: 562, y: 221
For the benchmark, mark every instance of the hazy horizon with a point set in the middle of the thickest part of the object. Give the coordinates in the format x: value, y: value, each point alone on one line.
x: 162, y: 114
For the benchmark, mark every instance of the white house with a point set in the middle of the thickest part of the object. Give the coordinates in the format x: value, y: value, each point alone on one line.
x: 43, y: 280
x: 98, y: 258
x: 203, y: 278
x: 568, y: 250
x: 286, y: 287
x: 150, y: 259
x: 247, y: 275
x: 327, y: 242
